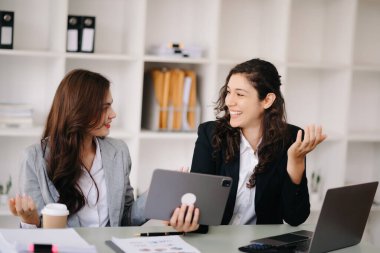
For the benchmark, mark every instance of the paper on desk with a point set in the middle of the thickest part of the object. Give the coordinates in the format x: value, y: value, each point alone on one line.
x: 67, y: 240
x: 167, y: 244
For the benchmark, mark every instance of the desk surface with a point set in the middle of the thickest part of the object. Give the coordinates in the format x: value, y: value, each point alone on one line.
x: 219, y: 239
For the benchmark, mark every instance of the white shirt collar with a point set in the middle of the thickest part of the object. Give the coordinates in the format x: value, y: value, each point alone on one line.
x: 245, y: 146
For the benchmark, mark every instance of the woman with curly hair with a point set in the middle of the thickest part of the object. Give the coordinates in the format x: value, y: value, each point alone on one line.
x: 251, y: 142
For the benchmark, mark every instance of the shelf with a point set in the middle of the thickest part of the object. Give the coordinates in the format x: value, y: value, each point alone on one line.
x: 365, y: 103
x: 309, y: 100
x: 21, y: 132
x: 109, y: 57
x: 364, y: 137
x: 248, y: 29
x: 150, y: 135
x: 321, y: 31
x: 30, y: 53
x: 367, y: 67
x: 37, y: 132
x: 365, y: 50
x: 363, y: 163
x: 182, y: 22
x: 154, y: 58
x: 318, y: 65
x: 169, y: 153
x: 4, y: 210
x: 119, y: 24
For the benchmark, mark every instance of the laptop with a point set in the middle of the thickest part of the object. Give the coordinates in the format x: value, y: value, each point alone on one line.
x: 169, y: 189
x: 341, y: 223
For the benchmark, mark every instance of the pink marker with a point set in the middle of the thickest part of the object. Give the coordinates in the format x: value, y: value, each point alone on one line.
x: 43, y: 248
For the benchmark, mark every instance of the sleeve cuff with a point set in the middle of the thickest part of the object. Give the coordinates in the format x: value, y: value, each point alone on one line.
x: 27, y: 226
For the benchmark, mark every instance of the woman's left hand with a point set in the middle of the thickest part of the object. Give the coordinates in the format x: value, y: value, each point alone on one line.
x: 298, y: 150
x: 313, y: 136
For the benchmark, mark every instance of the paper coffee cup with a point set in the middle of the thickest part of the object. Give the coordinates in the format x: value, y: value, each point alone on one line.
x: 54, y: 216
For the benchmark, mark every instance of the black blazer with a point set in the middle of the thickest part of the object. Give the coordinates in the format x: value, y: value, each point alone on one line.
x: 277, y: 198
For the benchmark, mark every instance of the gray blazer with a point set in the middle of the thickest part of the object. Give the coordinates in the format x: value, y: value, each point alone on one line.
x: 122, y: 208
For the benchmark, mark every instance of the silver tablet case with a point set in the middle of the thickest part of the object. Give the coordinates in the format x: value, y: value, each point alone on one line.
x: 167, y: 188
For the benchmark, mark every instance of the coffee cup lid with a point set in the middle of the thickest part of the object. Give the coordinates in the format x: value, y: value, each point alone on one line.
x: 55, y: 209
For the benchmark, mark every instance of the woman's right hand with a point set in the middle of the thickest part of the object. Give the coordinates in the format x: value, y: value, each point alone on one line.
x: 185, y: 218
x: 25, y: 208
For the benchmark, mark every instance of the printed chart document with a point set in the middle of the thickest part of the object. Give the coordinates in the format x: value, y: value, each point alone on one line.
x: 65, y: 240
x: 167, y: 244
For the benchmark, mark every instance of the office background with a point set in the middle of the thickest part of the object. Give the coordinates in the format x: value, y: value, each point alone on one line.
x: 326, y: 51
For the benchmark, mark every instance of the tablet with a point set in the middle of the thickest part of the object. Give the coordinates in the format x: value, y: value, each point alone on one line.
x: 169, y: 189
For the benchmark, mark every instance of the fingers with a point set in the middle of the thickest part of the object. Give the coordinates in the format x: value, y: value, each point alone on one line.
x: 320, y: 136
x: 22, y: 206
x: 185, y: 218
x: 24, y: 203
x: 181, y: 215
x: 174, y: 218
x: 188, y: 218
x: 195, y: 225
x: 313, y: 137
x: 12, y: 206
x: 309, y: 138
x: 306, y: 137
x: 18, y: 205
x: 298, y: 141
x: 191, y: 220
x: 31, y: 204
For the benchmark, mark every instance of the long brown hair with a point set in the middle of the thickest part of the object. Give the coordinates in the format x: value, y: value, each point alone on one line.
x: 263, y: 76
x: 77, y: 108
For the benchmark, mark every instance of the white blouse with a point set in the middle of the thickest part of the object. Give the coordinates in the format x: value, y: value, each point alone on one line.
x: 94, y: 214
x: 244, y: 211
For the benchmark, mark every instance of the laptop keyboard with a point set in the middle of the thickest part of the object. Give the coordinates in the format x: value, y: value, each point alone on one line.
x: 298, y: 247
x: 301, y: 247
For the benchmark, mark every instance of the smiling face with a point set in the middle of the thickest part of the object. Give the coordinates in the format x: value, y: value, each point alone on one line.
x: 108, y: 114
x: 242, y: 100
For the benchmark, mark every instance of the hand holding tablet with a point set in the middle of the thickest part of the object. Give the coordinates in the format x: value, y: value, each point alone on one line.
x: 170, y: 190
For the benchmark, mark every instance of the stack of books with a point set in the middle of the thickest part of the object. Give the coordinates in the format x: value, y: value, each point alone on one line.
x: 170, y: 100
x: 16, y: 115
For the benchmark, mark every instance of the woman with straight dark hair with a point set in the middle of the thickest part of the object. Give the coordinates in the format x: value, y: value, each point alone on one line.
x: 251, y: 142
x: 76, y: 164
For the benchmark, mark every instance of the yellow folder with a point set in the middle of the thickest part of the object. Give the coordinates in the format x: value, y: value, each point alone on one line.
x: 177, y: 77
x: 165, y: 100
x: 191, y: 114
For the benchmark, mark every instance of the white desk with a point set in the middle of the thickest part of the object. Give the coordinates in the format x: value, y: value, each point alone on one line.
x: 219, y: 239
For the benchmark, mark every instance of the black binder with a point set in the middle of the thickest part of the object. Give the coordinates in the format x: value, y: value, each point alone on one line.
x: 87, y: 41
x: 6, y: 29
x: 73, y: 33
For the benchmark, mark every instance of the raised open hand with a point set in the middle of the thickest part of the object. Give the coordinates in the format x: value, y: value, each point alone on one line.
x: 313, y: 136
x: 298, y: 150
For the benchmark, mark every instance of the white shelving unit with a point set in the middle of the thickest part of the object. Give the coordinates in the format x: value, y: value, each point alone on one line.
x: 326, y: 51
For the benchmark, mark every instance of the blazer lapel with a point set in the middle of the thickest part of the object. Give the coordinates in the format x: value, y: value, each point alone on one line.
x: 232, y: 170
x: 114, y: 181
